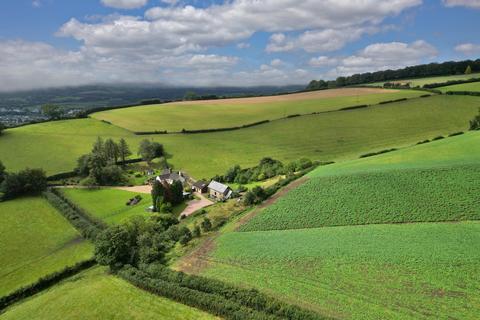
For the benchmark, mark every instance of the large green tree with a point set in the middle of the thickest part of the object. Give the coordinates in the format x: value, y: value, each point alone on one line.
x: 112, y: 151
x: 124, y: 150
x: 468, y: 70
x: 149, y: 150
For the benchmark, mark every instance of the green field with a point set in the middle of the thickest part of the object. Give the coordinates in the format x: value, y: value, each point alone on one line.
x: 408, y: 271
x: 109, y: 205
x: 95, y: 295
x: 222, y: 114
x: 420, y: 82
x: 35, y: 240
x: 331, y: 136
x: 474, y: 87
x: 430, y: 182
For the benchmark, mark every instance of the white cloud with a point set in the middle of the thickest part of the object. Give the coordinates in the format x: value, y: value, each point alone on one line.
x: 462, y: 3
x: 243, y: 45
x: 468, y: 49
x: 322, y: 61
x: 36, y: 3
x: 124, y: 4
x: 383, y: 56
x: 276, y: 63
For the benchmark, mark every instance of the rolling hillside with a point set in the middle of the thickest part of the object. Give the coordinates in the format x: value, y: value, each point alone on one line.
x: 381, y: 270
x: 195, y: 115
x: 340, y: 135
x: 472, y: 87
x: 420, y: 82
x: 35, y: 240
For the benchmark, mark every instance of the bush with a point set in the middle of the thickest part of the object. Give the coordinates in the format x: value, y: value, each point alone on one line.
x: 28, y: 181
x: 438, y: 138
x: 456, y: 134
x: 371, y: 154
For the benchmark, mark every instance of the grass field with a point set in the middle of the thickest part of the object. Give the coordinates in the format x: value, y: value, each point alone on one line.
x: 408, y: 185
x: 236, y: 112
x: 95, y: 295
x: 408, y: 271
x: 109, y: 205
x: 420, y: 82
x: 474, y: 87
x: 331, y: 136
x: 35, y: 240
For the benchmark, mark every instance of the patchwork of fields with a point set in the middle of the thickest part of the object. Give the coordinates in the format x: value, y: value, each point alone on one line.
x: 94, y: 294
x: 420, y: 82
x: 331, y: 136
x: 196, y: 115
x: 473, y: 87
x: 35, y: 240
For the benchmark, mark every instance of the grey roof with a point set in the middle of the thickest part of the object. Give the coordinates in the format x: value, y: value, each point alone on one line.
x: 217, y: 186
x: 174, y: 176
x: 200, y: 184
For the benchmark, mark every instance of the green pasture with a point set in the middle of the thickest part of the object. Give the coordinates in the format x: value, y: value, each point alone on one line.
x: 35, y: 240
x: 406, y: 271
x: 420, y: 82
x: 94, y: 294
x: 473, y: 86
x: 174, y: 117
x: 335, y: 136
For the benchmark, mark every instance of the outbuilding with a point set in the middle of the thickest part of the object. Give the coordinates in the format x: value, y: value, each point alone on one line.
x: 219, y: 191
x: 200, y: 186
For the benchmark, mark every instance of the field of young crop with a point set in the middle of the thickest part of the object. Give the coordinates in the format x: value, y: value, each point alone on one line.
x: 35, y: 240
x: 94, y: 294
x: 420, y: 82
x: 237, y: 112
x: 473, y: 86
x: 412, y: 195
x: 331, y: 136
x: 407, y: 271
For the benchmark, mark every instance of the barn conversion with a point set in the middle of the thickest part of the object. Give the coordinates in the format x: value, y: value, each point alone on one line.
x: 219, y: 191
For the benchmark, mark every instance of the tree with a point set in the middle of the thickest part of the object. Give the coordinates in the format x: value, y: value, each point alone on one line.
x: 149, y: 150
x: 190, y: 95
x: 185, y: 236
x: 475, y: 123
x: 83, y: 165
x: 176, y: 191
x: 123, y: 150
x: 2, y: 127
x: 468, y: 70
x: 206, y: 225
x: 52, y: 111
x: 114, y: 247
x: 196, y: 231
x: 158, y: 194
x: 28, y: 181
x: 99, y: 147
x: 2, y: 172
x: 111, y: 151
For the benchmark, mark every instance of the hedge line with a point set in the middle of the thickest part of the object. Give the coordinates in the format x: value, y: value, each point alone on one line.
x: 449, y: 83
x: 371, y: 154
x: 86, y: 225
x: 186, y: 131
x: 354, y: 107
x: 213, y: 296
x: 44, y: 283
x: 392, y: 101
x: 463, y: 93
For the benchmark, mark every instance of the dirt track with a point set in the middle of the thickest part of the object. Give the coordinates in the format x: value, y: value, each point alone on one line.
x: 332, y: 93
x: 195, y: 205
x: 138, y: 189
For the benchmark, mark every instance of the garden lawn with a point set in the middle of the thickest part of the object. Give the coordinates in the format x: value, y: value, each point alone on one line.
x: 420, y: 82
x: 330, y: 136
x: 174, y: 117
x: 94, y: 294
x: 35, y: 240
x: 407, y: 271
x: 473, y: 86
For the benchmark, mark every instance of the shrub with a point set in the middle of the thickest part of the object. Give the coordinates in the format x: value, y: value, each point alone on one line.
x: 28, y: 181
x: 438, y: 138
x: 456, y: 134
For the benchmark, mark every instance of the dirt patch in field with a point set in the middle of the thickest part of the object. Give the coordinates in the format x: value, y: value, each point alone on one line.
x: 195, y: 261
x: 320, y: 94
x: 137, y: 189
x: 195, y: 205
x: 270, y: 201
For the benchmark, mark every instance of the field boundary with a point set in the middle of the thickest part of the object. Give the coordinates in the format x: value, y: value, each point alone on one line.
x: 262, y: 122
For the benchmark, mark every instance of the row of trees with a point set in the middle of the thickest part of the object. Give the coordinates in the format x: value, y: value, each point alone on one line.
x: 28, y: 181
x: 425, y: 70
x: 266, y: 169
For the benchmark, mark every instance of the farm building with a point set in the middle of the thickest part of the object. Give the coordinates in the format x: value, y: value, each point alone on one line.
x: 200, y: 186
x: 169, y: 177
x: 219, y: 191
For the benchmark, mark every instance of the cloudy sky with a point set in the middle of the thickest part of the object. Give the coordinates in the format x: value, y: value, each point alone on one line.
x: 45, y: 43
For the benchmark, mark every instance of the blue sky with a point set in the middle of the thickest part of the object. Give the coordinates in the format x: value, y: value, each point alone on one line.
x: 48, y: 43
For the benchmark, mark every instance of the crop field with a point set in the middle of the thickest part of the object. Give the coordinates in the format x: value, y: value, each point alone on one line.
x: 35, y: 240
x: 94, y: 294
x: 473, y: 86
x: 420, y: 82
x: 331, y: 136
x: 413, y: 195
x: 407, y: 271
x: 429, y: 182
x: 196, y: 115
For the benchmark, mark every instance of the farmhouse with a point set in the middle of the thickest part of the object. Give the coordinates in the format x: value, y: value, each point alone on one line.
x: 169, y: 177
x: 200, y: 186
x: 219, y: 191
